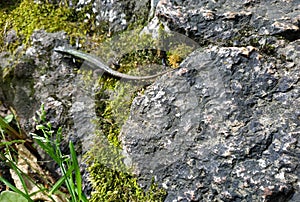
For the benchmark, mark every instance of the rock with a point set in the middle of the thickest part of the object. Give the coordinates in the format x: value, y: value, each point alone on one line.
x: 221, y: 128
x: 120, y: 14
x: 40, y: 75
x: 32, y: 77
x: 211, y: 21
x: 10, y: 37
x: 225, y: 126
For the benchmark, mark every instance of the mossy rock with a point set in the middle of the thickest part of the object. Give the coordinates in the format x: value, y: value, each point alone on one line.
x: 26, y: 16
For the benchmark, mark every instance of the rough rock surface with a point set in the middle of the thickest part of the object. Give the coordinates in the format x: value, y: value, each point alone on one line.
x: 119, y: 14
x: 39, y: 75
x: 115, y: 15
x: 210, y: 21
x: 36, y: 76
x: 225, y: 126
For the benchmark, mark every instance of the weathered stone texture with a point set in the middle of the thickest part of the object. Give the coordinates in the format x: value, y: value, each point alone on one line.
x: 225, y: 126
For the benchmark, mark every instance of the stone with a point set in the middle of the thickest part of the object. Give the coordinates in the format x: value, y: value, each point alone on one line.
x: 221, y: 128
x: 225, y: 125
x: 40, y: 75
x: 210, y: 21
x: 120, y: 14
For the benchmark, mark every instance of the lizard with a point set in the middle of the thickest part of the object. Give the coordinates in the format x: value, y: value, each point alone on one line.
x: 98, y: 63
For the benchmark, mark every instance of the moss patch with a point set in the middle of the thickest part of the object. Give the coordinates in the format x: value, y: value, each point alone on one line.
x: 112, y: 185
x: 111, y: 179
x: 26, y: 16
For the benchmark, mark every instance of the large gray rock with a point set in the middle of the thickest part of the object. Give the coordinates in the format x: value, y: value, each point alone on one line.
x: 33, y: 76
x: 224, y: 127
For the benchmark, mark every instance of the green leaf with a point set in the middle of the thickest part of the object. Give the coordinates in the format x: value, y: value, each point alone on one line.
x: 58, y: 184
x: 9, y: 118
x: 77, y: 172
x: 9, y: 196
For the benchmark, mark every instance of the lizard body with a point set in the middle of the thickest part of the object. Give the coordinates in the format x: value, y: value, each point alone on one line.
x: 95, y: 61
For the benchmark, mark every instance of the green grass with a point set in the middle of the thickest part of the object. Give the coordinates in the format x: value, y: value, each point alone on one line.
x: 68, y: 164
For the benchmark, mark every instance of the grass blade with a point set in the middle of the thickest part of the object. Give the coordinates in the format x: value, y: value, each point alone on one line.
x: 76, y: 170
x: 58, y: 184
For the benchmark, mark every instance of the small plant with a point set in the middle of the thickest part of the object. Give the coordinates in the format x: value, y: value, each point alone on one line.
x: 68, y: 164
x: 16, y: 194
x: 178, y: 53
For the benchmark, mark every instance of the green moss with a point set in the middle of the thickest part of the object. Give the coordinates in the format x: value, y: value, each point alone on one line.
x: 27, y: 16
x: 141, y: 58
x: 113, y: 102
x: 268, y: 49
x: 124, y: 43
x: 178, y: 53
x: 109, y: 122
x: 111, y: 179
x: 131, y: 49
x: 112, y: 185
